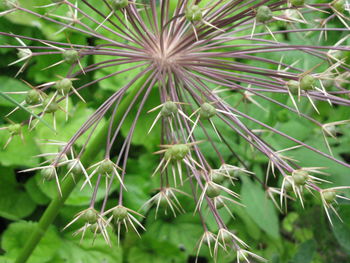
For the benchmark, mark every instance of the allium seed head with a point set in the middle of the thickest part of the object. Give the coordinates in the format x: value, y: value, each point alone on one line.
x: 14, y: 129
x: 194, y: 13
x: 169, y: 108
x: 120, y: 213
x: 263, y: 14
x: 33, y: 97
x: 329, y: 196
x: 300, y: 177
x: 64, y: 86
x: 70, y: 56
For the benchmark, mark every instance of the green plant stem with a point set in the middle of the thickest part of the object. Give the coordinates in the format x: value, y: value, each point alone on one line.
x: 68, y: 185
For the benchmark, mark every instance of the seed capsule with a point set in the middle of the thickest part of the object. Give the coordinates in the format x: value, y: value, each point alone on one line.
x: 162, y: 201
x: 95, y: 229
x: 64, y: 86
x: 297, y: 2
x: 169, y: 108
x: 328, y: 83
x: 75, y: 168
x: 118, y: 4
x: 9, y: 4
x: 263, y: 14
x: 288, y: 186
x: 293, y: 86
x: 51, y: 107
x: 106, y: 167
x: 194, y: 13
x: 219, y: 203
x: 177, y: 152
x: 209, y: 239
x: 90, y: 216
x: 242, y: 256
x: 329, y: 196
x: 339, y: 5
x: 32, y: 97
x: 307, y: 82
x: 226, y: 237
x: 70, y: 56
x: 120, y: 213
x: 231, y: 171
x: 14, y: 129
x: 207, y: 111
x: 212, y: 191
x: 217, y: 176
x: 24, y: 52
x: 48, y: 173
x: 300, y: 177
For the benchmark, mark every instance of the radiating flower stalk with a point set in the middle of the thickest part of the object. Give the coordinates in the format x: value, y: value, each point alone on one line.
x: 194, y: 53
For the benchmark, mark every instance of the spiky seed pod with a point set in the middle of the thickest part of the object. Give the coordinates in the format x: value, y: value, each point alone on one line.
x: 70, y: 56
x: 329, y: 196
x: 207, y: 111
x: 95, y: 229
x: 339, y: 5
x: 50, y: 105
x: 90, y: 216
x: 177, y: 152
x: 119, y: 4
x: 219, y: 203
x: 24, y: 52
x: 64, y: 86
x: 10, y: 3
x: 217, y: 176
x: 169, y: 108
x: 293, y: 86
x: 339, y: 54
x: 162, y: 201
x: 75, y: 168
x: 307, y: 82
x: 297, y: 2
x: 242, y: 256
x: 209, y: 239
x: 288, y: 186
x: 226, y: 237
x: 328, y: 83
x: 212, y: 191
x: 106, y: 167
x: 263, y: 14
x: 120, y: 213
x: 228, y: 170
x: 193, y: 13
x: 48, y: 173
x: 32, y: 97
x: 300, y: 177
x: 14, y: 129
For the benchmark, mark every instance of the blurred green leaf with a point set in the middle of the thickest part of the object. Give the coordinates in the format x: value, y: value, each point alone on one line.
x: 305, y: 252
x: 88, y: 251
x: 15, y: 203
x: 259, y: 208
x: 340, y: 229
x: 17, y: 234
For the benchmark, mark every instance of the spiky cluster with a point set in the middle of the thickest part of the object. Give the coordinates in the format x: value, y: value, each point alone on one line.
x: 205, y: 58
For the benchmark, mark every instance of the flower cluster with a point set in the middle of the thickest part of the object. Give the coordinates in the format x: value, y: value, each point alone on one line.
x: 196, y: 54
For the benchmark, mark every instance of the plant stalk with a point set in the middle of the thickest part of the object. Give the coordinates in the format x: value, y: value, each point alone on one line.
x: 69, y: 184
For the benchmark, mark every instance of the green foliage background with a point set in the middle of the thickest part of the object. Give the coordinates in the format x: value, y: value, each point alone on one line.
x: 301, y: 236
